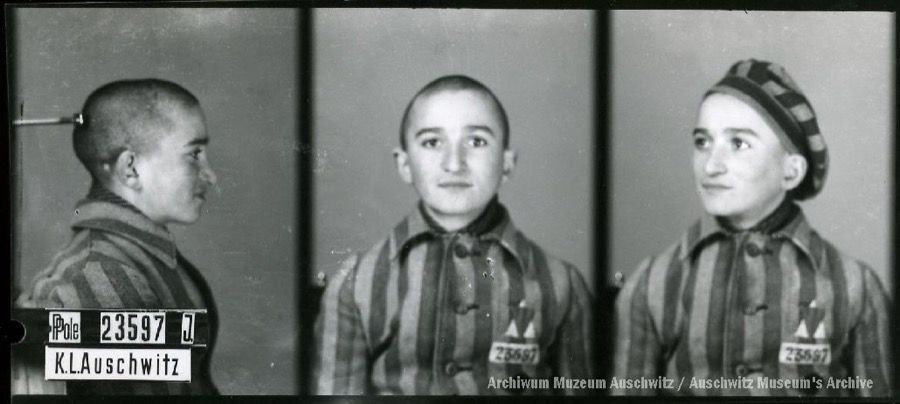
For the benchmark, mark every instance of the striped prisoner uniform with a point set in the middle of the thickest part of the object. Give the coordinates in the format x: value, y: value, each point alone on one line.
x: 119, y: 259
x: 429, y: 312
x: 777, y: 301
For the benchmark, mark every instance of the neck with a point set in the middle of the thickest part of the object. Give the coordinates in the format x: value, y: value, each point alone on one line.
x: 745, y: 222
x: 123, y: 192
x: 775, y: 219
x: 101, y: 192
x: 481, y: 221
x: 452, y: 223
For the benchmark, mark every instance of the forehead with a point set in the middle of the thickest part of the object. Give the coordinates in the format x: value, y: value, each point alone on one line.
x: 448, y: 107
x: 727, y: 111
x: 181, y: 126
x: 726, y: 114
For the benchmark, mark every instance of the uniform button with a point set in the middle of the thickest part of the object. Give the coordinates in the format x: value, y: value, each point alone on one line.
x: 465, y: 308
x: 451, y: 369
x: 752, y: 250
x: 460, y: 251
x: 754, y: 309
x: 742, y: 370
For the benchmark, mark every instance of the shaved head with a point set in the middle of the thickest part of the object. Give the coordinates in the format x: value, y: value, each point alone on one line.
x: 127, y: 115
x: 455, y: 83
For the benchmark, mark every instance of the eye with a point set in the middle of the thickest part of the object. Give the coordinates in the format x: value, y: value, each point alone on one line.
x: 478, y: 141
x: 739, y: 143
x: 195, y: 154
x: 430, y: 143
x: 701, y: 142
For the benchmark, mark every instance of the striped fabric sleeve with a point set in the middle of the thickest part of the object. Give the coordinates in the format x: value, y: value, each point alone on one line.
x: 870, y: 338
x: 637, y: 346
x: 574, y: 359
x: 92, y: 283
x: 341, y: 366
x: 100, y: 283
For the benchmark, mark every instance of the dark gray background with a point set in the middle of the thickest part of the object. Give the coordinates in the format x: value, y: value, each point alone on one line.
x: 242, y: 65
x: 663, y: 62
x: 369, y: 63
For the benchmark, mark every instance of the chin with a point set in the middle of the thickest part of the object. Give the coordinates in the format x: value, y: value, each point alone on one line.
x: 450, y: 209
x: 719, y: 208
x: 451, y: 206
x: 187, y: 219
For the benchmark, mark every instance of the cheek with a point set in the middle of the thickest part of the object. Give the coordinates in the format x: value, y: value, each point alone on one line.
x: 760, y: 173
x: 487, y: 164
x: 181, y: 176
x: 420, y: 169
x: 169, y: 168
x: 697, y: 162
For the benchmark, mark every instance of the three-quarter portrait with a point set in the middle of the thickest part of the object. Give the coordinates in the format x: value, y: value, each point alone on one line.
x: 751, y: 203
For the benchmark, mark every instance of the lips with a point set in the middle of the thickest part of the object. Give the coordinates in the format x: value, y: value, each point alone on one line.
x: 454, y: 184
x: 712, y: 186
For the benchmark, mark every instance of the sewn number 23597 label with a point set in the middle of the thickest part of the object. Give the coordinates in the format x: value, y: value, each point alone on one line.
x: 516, y: 354
x: 804, y: 354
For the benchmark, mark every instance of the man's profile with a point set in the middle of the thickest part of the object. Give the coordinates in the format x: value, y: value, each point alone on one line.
x: 144, y: 144
x: 752, y: 300
x: 455, y: 300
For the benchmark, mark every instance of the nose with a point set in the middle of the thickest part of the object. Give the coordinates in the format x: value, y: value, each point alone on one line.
x: 454, y: 158
x: 208, y: 175
x: 715, y: 162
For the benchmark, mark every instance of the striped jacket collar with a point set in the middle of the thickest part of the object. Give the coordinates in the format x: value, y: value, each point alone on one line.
x: 707, y: 229
x: 414, y: 228
x: 126, y: 221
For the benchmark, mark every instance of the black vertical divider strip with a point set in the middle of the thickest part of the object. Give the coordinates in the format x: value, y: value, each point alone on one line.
x: 606, y: 293
x: 307, y: 294
x: 10, y: 204
x: 895, y: 259
x: 9, y: 144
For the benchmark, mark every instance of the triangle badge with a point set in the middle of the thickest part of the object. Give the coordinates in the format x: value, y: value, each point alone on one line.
x: 802, y: 332
x: 512, y: 331
x: 529, y: 332
x: 820, y: 332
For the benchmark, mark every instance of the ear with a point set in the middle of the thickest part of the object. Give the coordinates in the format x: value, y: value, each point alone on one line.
x: 509, y: 163
x: 401, y: 158
x: 124, y: 171
x: 794, y: 170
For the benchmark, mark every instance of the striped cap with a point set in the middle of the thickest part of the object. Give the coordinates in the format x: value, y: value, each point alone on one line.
x: 767, y: 88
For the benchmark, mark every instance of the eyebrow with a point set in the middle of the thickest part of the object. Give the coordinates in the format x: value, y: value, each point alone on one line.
x: 730, y: 131
x: 482, y: 128
x: 202, y: 141
x: 736, y: 131
x: 423, y: 131
x: 470, y: 128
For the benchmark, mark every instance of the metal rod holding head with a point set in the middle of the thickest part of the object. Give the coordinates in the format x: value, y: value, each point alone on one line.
x: 77, y: 119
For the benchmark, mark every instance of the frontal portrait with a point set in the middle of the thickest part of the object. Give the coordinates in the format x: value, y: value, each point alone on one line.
x: 454, y: 149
